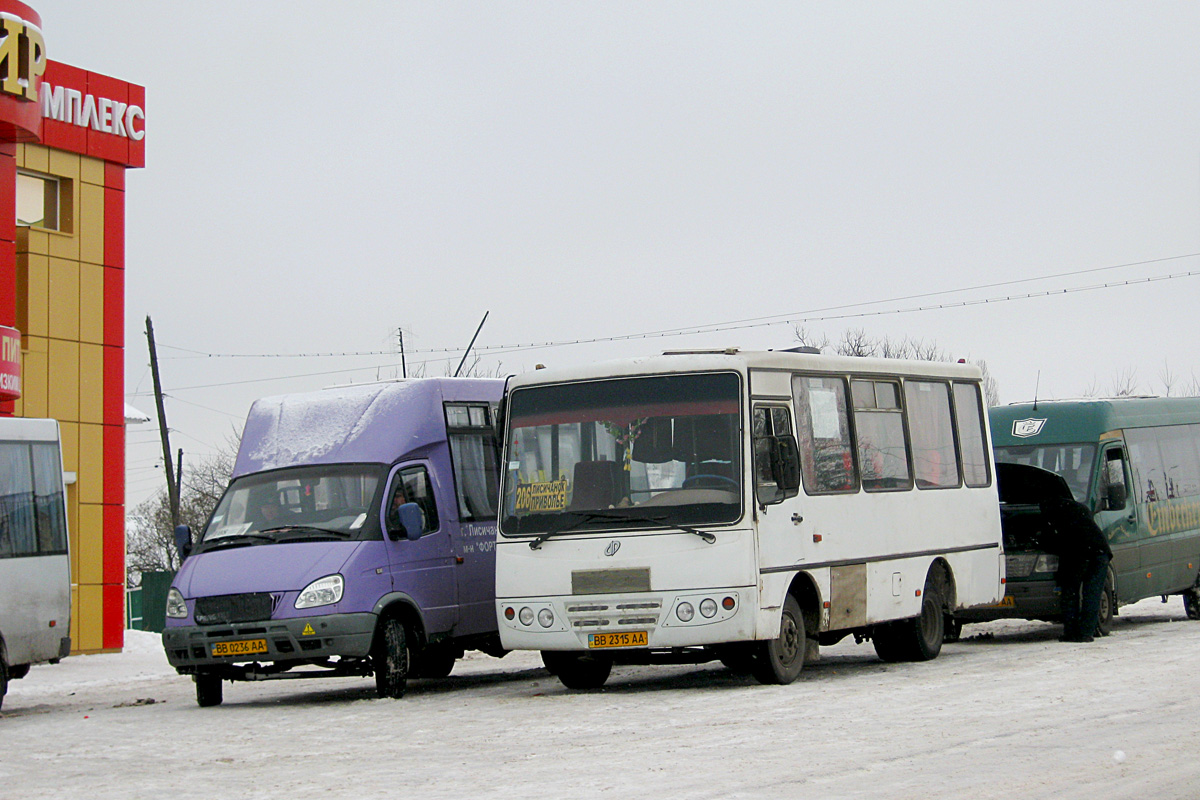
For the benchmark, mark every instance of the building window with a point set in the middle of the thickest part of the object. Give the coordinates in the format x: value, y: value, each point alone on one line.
x: 38, y: 201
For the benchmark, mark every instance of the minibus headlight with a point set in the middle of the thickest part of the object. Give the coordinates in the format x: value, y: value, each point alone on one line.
x: 176, y: 607
x: 685, y: 612
x: 321, y: 592
x: 708, y: 608
x: 526, y: 616
x: 546, y: 617
x: 1046, y: 563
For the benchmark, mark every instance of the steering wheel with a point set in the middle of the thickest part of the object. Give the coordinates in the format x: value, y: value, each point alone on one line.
x: 690, y: 483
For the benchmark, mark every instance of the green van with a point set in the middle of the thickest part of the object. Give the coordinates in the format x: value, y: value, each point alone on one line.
x: 1136, y: 463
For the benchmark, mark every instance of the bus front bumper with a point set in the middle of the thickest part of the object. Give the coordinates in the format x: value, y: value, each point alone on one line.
x: 615, y: 622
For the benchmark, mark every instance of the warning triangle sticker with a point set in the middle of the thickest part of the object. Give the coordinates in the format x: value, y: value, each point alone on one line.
x: 308, y: 630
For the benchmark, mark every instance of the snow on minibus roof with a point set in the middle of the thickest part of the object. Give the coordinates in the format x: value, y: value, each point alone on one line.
x: 732, y: 358
x: 364, y: 423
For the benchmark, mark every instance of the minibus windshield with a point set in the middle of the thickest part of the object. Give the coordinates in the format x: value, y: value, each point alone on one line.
x: 667, y: 448
x: 311, y: 502
x: 1071, y: 461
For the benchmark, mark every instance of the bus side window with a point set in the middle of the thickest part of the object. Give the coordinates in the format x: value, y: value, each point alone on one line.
x: 1116, y: 491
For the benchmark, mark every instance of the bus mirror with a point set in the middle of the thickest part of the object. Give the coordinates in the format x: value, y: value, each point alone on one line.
x: 183, y: 541
x: 406, y: 521
x: 1114, y: 496
x: 785, y: 464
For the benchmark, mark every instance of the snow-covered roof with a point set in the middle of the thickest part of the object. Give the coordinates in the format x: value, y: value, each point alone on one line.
x: 133, y: 416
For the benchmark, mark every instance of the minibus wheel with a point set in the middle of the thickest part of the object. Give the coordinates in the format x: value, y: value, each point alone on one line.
x: 578, y: 670
x: 1191, y: 602
x: 208, y: 690
x: 780, y: 660
x: 1108, y: 604
x: 390, y: 659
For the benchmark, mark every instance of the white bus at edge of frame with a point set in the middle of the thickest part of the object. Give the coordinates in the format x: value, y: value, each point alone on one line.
x: 35, y: 570
x: 742, y: 506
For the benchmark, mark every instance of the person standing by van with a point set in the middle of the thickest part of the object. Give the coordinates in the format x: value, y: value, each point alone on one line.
x: 1083, y: 556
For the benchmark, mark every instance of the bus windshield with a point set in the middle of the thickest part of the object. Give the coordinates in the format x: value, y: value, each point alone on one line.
x: 1072, y: 461
x: 296, y: 503
x: 663, y: 450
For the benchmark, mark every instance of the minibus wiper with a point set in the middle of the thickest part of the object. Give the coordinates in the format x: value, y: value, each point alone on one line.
x: 235, y: 541
x: 289, y: 528
x: 589, y: 516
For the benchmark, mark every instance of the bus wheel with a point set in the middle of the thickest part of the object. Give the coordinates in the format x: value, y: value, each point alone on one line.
x: 1108, y: 604
x: 208, y: 690
x: 1191, y: 602
x: 390, y: 659
x: 577, y: 670
x: 780, y: 660
x: 929, y: 628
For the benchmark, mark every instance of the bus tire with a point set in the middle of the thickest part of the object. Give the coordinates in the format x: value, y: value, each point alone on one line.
x: 1108, y: 605
x: 208, y: 690
x: 390, y: 659
x: 577, y: 670
x: 780, y: 660
x: 916, y: 639
x: 1191, y: 602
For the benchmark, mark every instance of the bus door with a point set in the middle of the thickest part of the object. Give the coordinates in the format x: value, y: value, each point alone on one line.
x: 1116, y: 515
x: 472, y: 528
x: 424, y: 569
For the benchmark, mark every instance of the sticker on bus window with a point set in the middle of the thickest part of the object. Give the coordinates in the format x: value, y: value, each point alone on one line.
x: 358, y: 522
x: 823, y: 409
x: 1024, y: 428
x: 230, y: 530
x: 547, y: 496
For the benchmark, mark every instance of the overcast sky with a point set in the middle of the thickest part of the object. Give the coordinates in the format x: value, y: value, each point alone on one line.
x: 319, y: 175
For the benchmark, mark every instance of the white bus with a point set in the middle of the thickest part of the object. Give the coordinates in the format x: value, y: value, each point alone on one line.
x: 35, y: 572
x: 743, y: 506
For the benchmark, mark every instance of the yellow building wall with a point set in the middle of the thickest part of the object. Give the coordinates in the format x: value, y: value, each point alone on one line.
x: 61, y: 314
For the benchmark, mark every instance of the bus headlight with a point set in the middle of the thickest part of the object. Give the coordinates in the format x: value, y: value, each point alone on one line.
x: 526, y: 616
x: 321, y: 592
x: 1046, y: 563
x: 685, y: 612
x: 176, y: 607
x: 546, y: 617
x: 708, y: 608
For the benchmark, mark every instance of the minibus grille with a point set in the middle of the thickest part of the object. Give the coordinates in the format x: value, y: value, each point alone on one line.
x: 642, y: 613
x: 1020, y: 566
x: 228, y: 608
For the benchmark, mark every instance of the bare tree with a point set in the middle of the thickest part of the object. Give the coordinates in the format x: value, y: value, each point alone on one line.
x: 149, y: 534
x: 1167, y: 378
x: 856, y: 342
x: 1124, y: 383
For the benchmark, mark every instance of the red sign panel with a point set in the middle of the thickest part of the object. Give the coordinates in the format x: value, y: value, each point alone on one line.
x: 10, y: 363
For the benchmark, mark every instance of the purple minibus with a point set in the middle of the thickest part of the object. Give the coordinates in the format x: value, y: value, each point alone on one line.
x: 356, y: 537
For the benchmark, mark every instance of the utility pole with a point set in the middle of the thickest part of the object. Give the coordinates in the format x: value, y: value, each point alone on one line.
x: 168, y: 468
x: 472, y: 344
x: 403, y: 366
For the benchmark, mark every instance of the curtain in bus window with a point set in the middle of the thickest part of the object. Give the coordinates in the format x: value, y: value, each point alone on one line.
x: 1181, y: 472
x: 822, y: 422
x: 18, y: 534
x: 48, y: 491
x: 969, y: 410
x: 475, y: 477
x: 935, y: 462
x: 1147, y: 464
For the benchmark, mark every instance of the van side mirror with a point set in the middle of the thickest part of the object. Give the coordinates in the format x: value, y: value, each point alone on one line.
x: 183, y: 541
x: 405, y: 521
x: 785, y: 464
x: 1115, y: 494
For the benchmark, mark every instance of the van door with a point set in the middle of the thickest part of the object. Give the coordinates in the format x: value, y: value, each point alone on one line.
x: 423, y: 569
x: 1119, y: 524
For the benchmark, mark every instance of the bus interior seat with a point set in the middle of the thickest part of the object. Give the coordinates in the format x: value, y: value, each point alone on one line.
x: 597, y: 485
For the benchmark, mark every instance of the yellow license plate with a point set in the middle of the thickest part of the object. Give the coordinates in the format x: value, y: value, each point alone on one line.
x: 1007, y: 602
x: 241, y: 648
x: 622, y: 639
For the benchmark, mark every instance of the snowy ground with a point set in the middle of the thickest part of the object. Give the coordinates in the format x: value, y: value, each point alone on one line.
x: 1009, y: 712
